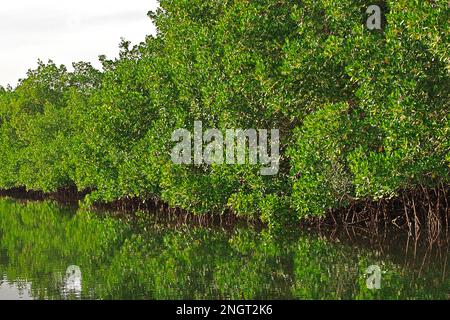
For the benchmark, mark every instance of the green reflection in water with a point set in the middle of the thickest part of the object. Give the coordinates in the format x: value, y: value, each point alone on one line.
x: 50, y: 252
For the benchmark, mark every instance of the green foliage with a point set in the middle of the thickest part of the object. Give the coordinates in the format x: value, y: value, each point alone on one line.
x: 145, y: 260
x: 362, y: 114
x: 321, y: 180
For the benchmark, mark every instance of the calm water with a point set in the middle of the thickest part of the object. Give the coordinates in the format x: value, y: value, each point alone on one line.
x: 50, y: 252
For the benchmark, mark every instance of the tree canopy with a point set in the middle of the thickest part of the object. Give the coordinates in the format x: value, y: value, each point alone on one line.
x: 363, y: 114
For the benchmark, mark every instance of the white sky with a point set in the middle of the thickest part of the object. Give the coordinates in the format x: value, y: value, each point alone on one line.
x: 66, y: 31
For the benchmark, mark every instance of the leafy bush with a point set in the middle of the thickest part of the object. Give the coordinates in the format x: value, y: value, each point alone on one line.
x: 362, y: 114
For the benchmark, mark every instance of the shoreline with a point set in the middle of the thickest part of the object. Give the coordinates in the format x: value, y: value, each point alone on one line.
x: 413, y: 211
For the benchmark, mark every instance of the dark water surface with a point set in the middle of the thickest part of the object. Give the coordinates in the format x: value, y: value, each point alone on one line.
x: 51, y: 252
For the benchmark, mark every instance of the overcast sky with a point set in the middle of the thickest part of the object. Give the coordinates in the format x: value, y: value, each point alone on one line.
x: 66, y: 31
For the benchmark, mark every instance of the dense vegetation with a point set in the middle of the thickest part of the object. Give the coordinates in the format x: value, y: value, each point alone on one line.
x: 145, y: 260
x: 362, y: 114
